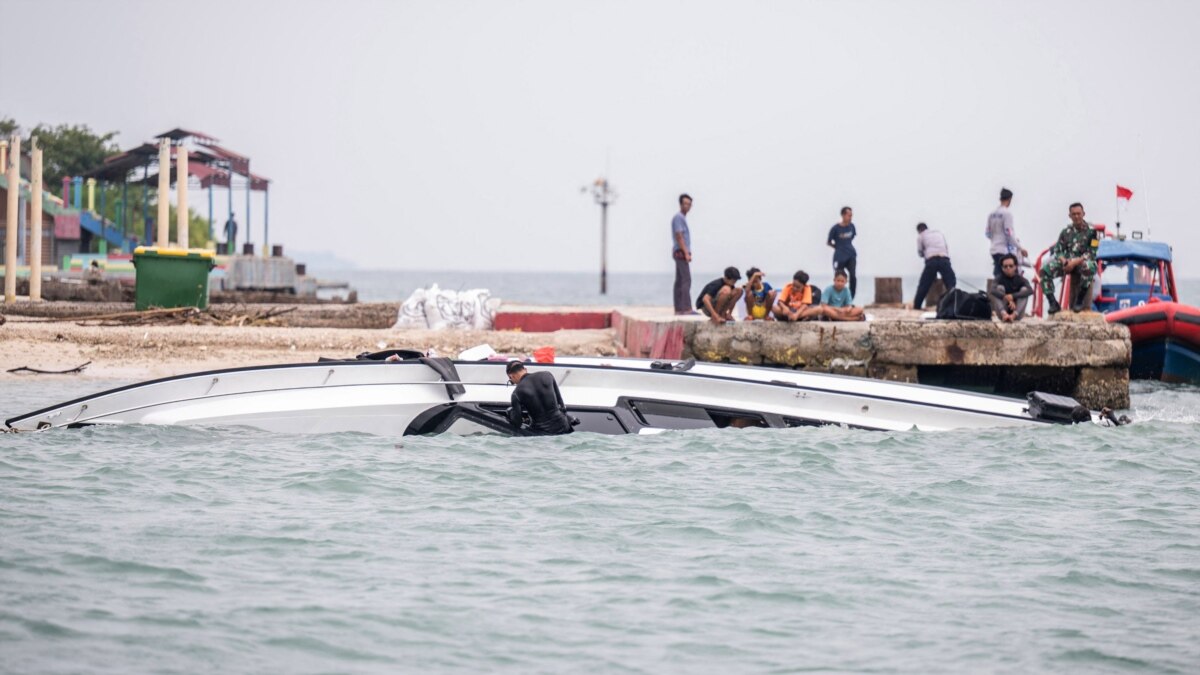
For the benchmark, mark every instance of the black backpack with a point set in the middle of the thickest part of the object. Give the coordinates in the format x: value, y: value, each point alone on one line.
x: 958, y: 304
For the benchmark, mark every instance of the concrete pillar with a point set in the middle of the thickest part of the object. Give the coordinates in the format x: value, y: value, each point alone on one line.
x: 164, y: 193
x: 181, y: 196
x: 91, y: 194
x: 10, y: 222
x: 4, y: 156
x: 67, y: 192
x: 77, y: 192
x: 35, y: 225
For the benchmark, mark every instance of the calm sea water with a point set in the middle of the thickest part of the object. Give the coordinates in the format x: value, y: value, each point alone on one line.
x: 579, y: 288
x: 143, y: 549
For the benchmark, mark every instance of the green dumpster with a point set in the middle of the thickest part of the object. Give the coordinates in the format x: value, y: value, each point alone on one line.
x: 172, y: 277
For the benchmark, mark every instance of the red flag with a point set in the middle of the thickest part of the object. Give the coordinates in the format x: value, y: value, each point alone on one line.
x: 1124, y: 193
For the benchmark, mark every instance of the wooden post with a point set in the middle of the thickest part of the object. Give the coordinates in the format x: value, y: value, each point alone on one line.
x: 162, y: 239
x: 181, y: 198
x: 35, y: 224
x: 888, y: 291
x: 934, y: 296
x: 11, y: 216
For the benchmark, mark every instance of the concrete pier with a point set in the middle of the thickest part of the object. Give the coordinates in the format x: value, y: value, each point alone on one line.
x: 1081, y: 356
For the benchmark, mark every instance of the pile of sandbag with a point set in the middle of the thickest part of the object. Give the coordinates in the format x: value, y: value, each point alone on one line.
x: 439, y: 309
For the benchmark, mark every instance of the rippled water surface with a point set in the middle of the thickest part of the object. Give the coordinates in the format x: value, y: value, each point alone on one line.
x: 143, y: 549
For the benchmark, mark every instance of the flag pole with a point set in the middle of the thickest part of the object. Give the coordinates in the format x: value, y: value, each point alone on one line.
x: 1118, y: 212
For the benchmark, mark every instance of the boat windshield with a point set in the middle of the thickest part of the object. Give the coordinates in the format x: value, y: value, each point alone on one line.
x: 1129, y: 273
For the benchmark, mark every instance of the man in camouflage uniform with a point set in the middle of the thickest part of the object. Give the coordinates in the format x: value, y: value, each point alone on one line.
x: 1074, y: 253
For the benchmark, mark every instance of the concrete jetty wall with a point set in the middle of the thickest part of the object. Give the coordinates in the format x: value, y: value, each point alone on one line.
x: 1087, y: 359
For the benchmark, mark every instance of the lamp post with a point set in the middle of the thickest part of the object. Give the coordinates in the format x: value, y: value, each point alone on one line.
x: 604, y: 195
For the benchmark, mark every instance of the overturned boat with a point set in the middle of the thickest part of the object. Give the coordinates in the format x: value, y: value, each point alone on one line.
x: 401, y: 392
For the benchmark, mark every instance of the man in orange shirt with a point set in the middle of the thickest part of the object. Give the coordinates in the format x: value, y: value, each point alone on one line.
x: 798, y: 301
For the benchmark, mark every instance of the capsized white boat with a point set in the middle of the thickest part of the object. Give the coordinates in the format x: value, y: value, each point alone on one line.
x: 417, y: 395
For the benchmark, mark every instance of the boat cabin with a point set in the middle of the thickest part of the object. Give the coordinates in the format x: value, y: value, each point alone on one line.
x: 1132, y: 273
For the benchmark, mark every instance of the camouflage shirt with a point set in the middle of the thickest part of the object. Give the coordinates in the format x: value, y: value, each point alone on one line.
x: 1076, y: 243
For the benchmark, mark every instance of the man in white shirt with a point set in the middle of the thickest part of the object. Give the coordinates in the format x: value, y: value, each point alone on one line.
x: 1000, y: 232
x: 931, y: 246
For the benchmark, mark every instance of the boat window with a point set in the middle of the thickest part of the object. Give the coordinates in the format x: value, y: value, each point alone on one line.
x: 671, y: 415
x: 737, y: 419
x: 683, y: 416
x: 465, y: 427
x: 597, y: 421
x: 802, y: 422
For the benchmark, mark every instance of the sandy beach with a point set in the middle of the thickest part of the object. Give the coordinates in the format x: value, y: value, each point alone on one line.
x: 137, y: 352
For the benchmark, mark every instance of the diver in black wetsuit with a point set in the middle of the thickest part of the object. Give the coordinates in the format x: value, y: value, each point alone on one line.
x: 538, y: 395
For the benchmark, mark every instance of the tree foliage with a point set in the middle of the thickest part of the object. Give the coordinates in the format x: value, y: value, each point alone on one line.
x: 69, y: 150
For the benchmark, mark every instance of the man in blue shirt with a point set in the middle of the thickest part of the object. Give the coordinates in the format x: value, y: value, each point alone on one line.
x: 839, y: 306
x: 841, y: 240
x: 681, y: 251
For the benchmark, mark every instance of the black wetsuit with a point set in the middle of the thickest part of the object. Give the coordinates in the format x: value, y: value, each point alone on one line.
x: 538, y: 395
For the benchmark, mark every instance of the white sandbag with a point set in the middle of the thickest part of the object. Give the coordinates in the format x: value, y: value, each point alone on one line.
x: 443, y: 309
x: 486, y: 317
x: 412, y: 312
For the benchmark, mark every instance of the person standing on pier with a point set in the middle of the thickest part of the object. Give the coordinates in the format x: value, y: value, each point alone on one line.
x: 1000, y: 232
x: 932, y: 247
x: 230, y: 235
x: 1075, y: 254
x: 681, y: 251
x: 841, y: 240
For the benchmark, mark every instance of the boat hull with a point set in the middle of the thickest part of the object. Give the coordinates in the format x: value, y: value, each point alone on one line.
x: 609, y: 396
x: 1165, y: 337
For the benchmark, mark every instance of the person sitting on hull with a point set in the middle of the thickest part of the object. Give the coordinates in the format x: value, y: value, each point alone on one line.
x: 720, y: 296
x: 537, y: 395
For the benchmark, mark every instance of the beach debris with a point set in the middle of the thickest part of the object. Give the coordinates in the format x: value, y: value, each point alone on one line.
x: 38, y: 371
x: 234, y: 316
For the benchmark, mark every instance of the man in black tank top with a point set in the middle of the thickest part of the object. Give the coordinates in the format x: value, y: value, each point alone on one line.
x: 537, y: 394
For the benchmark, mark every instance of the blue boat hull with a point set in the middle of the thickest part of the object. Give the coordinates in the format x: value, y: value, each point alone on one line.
x: 1165, y: 359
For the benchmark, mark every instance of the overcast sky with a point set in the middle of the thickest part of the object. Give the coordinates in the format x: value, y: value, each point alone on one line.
x: 457, y: 135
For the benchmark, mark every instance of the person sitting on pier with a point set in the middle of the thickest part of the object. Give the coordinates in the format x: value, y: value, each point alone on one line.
x: 760, y: 297
x: 1075, y: 254
x: 838, y: 303
x: 799, y: 301
x: 720, y: 296
x: 1010, y: 291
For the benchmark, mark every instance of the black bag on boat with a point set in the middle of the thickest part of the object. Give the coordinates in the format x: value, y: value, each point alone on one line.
x: 961, y: 305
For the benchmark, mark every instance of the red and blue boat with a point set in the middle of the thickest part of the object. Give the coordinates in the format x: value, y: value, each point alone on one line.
x: 1137, y: 289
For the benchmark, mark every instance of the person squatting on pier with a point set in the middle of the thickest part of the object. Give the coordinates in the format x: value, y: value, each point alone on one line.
x: 720, y: 296
x: 1010, y: 291
x: 1075, y: 254
x: 538, y: 396
x: 1000, y: 232
x: 759, y: 295
x: 841, y: 239
x: 932, y: 247
x: 681, y: 252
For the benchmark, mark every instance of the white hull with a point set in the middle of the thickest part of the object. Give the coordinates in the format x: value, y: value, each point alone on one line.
x: 610, y: 396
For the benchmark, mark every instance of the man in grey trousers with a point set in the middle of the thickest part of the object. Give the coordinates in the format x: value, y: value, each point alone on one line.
x: 681, y: 251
